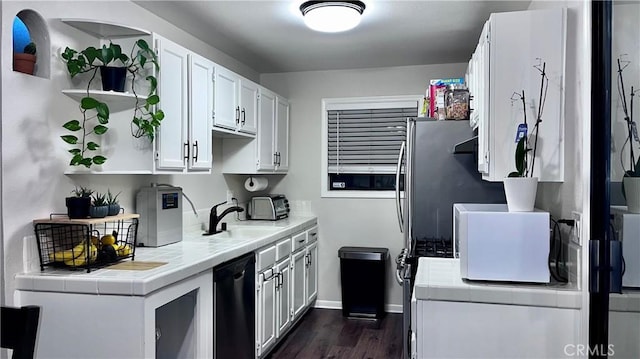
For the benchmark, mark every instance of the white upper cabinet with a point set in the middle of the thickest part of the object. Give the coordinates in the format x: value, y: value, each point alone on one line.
x: 201, y: 99
x: 227, y: 108
x: 248, y: 120
x: 282, y: 135
x: 510, y: 47
x: 172, y: 89
x: 185, y: 87
x: 266, y: 134
x: 269, y: 152
x: 236, y: 101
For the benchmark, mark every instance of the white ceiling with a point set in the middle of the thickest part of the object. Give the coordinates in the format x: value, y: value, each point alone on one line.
x: 270, y: 36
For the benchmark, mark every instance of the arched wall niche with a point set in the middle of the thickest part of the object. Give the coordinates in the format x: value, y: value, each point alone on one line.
x: 38, y: 33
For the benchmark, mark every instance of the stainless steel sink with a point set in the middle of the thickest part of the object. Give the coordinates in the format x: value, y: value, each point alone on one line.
x: 245, y: 232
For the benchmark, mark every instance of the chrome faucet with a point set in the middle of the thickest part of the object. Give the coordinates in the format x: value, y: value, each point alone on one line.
x: 214, y: 219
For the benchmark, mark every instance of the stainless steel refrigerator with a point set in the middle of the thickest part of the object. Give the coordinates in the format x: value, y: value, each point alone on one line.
x: 439, y: 162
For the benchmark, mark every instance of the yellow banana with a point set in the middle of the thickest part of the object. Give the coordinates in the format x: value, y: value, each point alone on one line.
x: 69, y: 254
x: 83, y: 258
x: 123, y: 250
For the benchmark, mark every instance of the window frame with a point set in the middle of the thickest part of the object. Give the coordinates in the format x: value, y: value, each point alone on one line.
x: 369, y: 102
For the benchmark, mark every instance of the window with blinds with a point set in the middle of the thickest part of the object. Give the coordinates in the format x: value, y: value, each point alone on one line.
x: 363, y: 145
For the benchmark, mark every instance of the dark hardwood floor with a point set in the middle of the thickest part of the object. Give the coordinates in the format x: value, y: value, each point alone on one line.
x: 325, y: 333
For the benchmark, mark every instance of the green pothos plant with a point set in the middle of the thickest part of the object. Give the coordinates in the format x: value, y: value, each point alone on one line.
x: 95, y: 114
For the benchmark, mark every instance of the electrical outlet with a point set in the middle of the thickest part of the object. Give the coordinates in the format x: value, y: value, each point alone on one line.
x: 230, y: 196
x: 577, y: 228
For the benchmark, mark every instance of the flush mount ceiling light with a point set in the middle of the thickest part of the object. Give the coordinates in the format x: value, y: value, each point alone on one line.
x: 332, y: 16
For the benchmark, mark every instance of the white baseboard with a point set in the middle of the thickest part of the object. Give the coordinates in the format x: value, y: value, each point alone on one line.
x: 328, y: 304
x: 336, y: 304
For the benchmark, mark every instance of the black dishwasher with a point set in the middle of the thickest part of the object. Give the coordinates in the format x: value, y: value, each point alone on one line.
x: 234, y: 301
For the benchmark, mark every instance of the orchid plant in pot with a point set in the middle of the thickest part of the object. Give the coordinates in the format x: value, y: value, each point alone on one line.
x: 631, y: 177
x: 521, y: 186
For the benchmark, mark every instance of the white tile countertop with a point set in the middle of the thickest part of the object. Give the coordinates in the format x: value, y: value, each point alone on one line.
x: 194, y: 254
x: 439, y: 279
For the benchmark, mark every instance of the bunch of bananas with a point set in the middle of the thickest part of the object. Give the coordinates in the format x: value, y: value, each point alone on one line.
x: 76, y: 256
x: 101, y: 249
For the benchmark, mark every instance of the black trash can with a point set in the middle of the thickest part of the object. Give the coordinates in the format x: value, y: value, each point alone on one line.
x: 363, y: 277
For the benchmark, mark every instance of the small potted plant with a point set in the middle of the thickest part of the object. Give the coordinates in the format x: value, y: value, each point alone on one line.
x: 78, y: 205
x: 25, y: 62
x: 99, y: 207
x: 520, y: 186
x: 113, y: 65
x: 112, y: 202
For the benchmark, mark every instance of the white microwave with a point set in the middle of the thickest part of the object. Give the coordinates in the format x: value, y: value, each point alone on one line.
x: 494, y: 244
x: 627, y: 229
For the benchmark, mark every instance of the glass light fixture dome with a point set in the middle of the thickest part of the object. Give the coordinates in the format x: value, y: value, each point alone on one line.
x: 332, y: 16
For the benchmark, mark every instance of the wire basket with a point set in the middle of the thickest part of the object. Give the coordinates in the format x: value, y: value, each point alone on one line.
x: 85, y: 243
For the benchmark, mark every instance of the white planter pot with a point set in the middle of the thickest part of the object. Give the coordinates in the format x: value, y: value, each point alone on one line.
x: 632, y: 193
x: 520, y: 193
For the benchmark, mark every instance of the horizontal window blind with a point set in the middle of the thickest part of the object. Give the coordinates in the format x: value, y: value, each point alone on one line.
x: 366, y: 140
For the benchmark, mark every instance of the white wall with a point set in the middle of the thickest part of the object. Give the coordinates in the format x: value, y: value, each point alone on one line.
x: 343, y: 221
x: 560, y: 199
x: 34, y: 157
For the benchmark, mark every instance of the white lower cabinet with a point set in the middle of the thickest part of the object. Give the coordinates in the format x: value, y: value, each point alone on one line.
x: 298, y: 279
x: 493, y: 330
x: 283, y: 295
x: 311, y: 272
x: 175, y: 322
x: 266, y: 295
x: 286, y: 286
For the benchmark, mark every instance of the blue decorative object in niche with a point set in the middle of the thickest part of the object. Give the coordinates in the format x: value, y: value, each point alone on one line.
x: 21, y: 36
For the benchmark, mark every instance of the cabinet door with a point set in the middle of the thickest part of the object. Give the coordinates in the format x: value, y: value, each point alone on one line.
x: 515, y: 62
x: 311, y: 280
x: 266, y: 135
x: 282, y: 135
x: 172, y: 89
x: 200, y: 112
x: 266, y: 310
x: 227, y: 109
x: 298, y: 280
x: 284, y: 296
x: 248, y: 106
x: 481, y: 100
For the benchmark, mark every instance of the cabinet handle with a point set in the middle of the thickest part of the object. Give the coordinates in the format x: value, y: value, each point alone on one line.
x: 186, y: 150
x: 275, y: 158
x: 195, y: 151
x: 265, y: 277
x: 237, y: 115
x: 244, y: 116
x: 300, y: 240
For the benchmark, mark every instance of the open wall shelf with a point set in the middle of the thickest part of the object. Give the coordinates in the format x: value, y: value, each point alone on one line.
x: 105, y: 29
x: 117, y: 101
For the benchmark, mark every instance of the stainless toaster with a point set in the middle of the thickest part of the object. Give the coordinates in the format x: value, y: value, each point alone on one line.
x: 271, y: 208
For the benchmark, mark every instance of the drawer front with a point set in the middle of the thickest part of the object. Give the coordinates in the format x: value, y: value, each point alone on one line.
x: 283, y: 249
x: 312, y: 235
x: 299, y: 241
x: 266, y: 258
